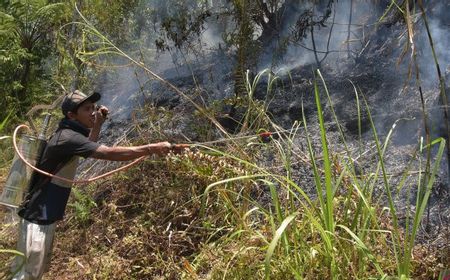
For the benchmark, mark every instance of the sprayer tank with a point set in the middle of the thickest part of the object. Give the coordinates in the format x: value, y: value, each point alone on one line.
x: 20, y: 174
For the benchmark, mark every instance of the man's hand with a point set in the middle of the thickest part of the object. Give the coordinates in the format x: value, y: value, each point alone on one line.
x: 163, y: 148
x: 160, y: 148
x: 101, y: 113
x: 179, y: 148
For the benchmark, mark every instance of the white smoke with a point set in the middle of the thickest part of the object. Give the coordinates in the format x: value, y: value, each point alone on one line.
x: 331, y: 40
x: 440, y: 33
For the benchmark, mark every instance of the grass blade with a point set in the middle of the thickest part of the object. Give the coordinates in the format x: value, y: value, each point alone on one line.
x: 274, y: 242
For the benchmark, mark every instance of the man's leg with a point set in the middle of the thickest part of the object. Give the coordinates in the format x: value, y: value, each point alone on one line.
x: 35, y: 242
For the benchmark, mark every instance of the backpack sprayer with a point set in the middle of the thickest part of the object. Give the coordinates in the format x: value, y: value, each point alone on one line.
x: 31, y: 148
x: 20, y: 175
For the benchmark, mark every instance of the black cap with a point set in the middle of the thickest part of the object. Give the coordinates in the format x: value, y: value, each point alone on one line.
x: 74, y: 99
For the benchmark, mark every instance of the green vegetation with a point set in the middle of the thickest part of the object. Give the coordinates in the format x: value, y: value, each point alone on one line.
x: 27, y: 30
x: 209, y: 214
x: 296, y: 207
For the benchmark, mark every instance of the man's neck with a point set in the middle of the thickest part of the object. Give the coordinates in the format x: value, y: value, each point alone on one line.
x: 74, y: 125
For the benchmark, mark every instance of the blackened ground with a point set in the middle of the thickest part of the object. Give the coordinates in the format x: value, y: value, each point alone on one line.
x: 391, y: 98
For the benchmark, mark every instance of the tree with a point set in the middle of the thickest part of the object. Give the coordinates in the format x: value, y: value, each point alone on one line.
x: 27, y: 29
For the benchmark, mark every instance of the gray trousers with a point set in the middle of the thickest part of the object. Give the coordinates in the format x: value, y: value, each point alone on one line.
x: 35, y: 242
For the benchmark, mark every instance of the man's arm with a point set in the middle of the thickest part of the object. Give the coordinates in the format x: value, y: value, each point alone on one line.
x: 120, y: 153
x: 95, y: 132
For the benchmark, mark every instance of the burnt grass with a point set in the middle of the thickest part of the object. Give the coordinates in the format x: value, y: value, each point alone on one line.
x: 146, y: 224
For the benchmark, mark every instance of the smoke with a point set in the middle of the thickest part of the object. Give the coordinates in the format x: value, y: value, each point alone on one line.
x: 333, y: 41
x: 120, y: 91
x: 439, y: 24
x: 211, y: 38
x: 207, y: 61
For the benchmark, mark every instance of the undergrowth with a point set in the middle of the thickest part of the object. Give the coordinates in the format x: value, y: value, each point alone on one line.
x: 245, y: 212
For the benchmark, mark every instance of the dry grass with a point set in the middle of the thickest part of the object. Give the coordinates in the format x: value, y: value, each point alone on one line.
x: 145, y: 224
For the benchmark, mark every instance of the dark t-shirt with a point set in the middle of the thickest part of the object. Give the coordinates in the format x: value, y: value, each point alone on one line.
x: 47, y: 197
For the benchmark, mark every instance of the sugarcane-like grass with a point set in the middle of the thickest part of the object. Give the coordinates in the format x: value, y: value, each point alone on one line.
x: 341, y: 224
x: 343, y: 232
x: 232, y: 212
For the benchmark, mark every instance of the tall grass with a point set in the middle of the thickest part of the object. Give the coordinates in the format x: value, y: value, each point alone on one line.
x: 6, y: 151
x: 16, y: 254
x: 342, y: 231
x: 6, y: 120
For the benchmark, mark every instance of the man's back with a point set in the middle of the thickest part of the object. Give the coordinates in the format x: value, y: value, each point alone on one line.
x: 47, y: 198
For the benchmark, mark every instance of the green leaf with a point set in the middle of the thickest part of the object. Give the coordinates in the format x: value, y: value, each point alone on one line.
x: 274, y: 242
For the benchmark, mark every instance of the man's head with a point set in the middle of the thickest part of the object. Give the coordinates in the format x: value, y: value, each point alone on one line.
x: 80, y: 107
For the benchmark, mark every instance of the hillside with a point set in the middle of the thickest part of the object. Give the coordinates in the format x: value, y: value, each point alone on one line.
x: 349, y: 184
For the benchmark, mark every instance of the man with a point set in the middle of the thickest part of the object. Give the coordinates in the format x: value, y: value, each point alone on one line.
x: 47, y: 198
